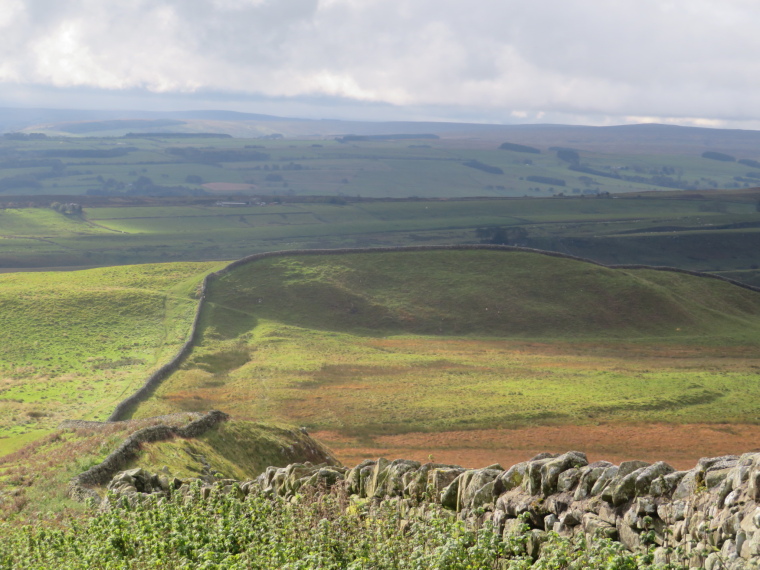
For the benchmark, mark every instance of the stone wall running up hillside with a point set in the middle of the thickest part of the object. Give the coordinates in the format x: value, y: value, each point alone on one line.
x: 154, y: 380
x: 101, y: 473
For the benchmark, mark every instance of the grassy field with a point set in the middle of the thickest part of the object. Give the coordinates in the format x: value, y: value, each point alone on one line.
x: 371, y: 345
x: 451, y: 167
x: 715, y: 232
x: 75, y: 343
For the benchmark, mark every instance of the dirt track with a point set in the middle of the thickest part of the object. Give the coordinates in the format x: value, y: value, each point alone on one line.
x: 679, y: 445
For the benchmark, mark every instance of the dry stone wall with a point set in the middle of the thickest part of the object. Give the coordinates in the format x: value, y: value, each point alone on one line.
x: 154, y: 380
x: 707, y: 517
x: 100, y: 474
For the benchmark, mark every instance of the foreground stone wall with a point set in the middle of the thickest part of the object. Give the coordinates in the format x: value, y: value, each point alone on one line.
x: 707, y: 517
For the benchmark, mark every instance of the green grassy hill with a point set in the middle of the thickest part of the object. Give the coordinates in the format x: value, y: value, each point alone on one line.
x: 493, y: 294
x: 76, y: 343
x: 374, y: 344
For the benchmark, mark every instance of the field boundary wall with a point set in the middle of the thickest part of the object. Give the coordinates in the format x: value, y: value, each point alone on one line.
x: 102, y: 473
x: 155, y: 379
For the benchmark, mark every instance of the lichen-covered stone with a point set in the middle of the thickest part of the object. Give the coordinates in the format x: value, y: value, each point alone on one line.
x: 375, y: 483
x: 568, y: 480
x: 511, y: 478
x: 354, y: 476
x: 532, y: 480
x: 606, y: 476
x: 689, y: 484
x: 471, y: 483
x: 623, y: 488
x: 647, y: 476
x: 594, y: 527
x: 588, y: 478
x: 551, y: 470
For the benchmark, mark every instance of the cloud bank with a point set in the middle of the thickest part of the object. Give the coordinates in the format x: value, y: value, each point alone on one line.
x: 690, y: 60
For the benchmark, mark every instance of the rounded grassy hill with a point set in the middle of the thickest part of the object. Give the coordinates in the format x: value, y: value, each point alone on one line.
x: 368, y: 349
x: 483, y: 293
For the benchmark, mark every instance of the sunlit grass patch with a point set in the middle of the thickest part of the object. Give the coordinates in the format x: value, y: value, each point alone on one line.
x: 393, y: 343
x: 76, y: 343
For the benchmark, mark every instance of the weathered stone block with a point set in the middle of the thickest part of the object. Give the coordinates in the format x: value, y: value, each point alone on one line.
x: 532, y: 481
x: 375, y: 484
x: 450, y: 494
x: 353, y: 478
x: 689, y: 484
x: 568, y: 480
x: 623, y: 488
x: 551, y: 470
x: 629, y: 537
x: 511, y: 478
x: 594, y: 527
x: 603, y: 481
x: 589, y: 476
x: 716, y: 477
x: 440, y: 478
x: 647, y: 476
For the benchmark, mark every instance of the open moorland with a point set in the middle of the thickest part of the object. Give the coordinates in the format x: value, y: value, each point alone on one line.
x: 470, y: 357
x: 457, y: 353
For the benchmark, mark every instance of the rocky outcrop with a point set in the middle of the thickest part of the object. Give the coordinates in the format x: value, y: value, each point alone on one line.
x: 707, y: 517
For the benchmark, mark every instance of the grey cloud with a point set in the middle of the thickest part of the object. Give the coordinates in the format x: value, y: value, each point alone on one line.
x: 649, y: 58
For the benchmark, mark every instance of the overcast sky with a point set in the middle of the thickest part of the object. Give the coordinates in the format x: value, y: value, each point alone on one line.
x: 574, y: 61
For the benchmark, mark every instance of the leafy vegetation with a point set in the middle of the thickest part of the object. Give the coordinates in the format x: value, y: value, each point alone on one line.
x: 327, y: 532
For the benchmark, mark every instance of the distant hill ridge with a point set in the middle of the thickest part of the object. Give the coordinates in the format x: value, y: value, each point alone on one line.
x: 641, y: 138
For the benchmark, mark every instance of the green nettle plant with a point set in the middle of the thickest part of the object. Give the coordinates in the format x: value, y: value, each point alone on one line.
x: 316, y: 530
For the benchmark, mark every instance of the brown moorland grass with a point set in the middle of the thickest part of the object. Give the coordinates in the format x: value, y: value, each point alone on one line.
x: 387, y: 344
x: 681, y: 445
x: 437, y: 393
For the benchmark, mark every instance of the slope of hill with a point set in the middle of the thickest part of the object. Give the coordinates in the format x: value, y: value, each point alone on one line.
x: 486, y: 293
x: 35, y: 478
x: 73, y: 343
x: 366, y: 346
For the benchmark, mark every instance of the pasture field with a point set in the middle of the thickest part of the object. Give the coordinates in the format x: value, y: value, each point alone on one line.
x: 708, y: 232
x: 75, y: 343
x: 364, y: 347
x: 325, y: 166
